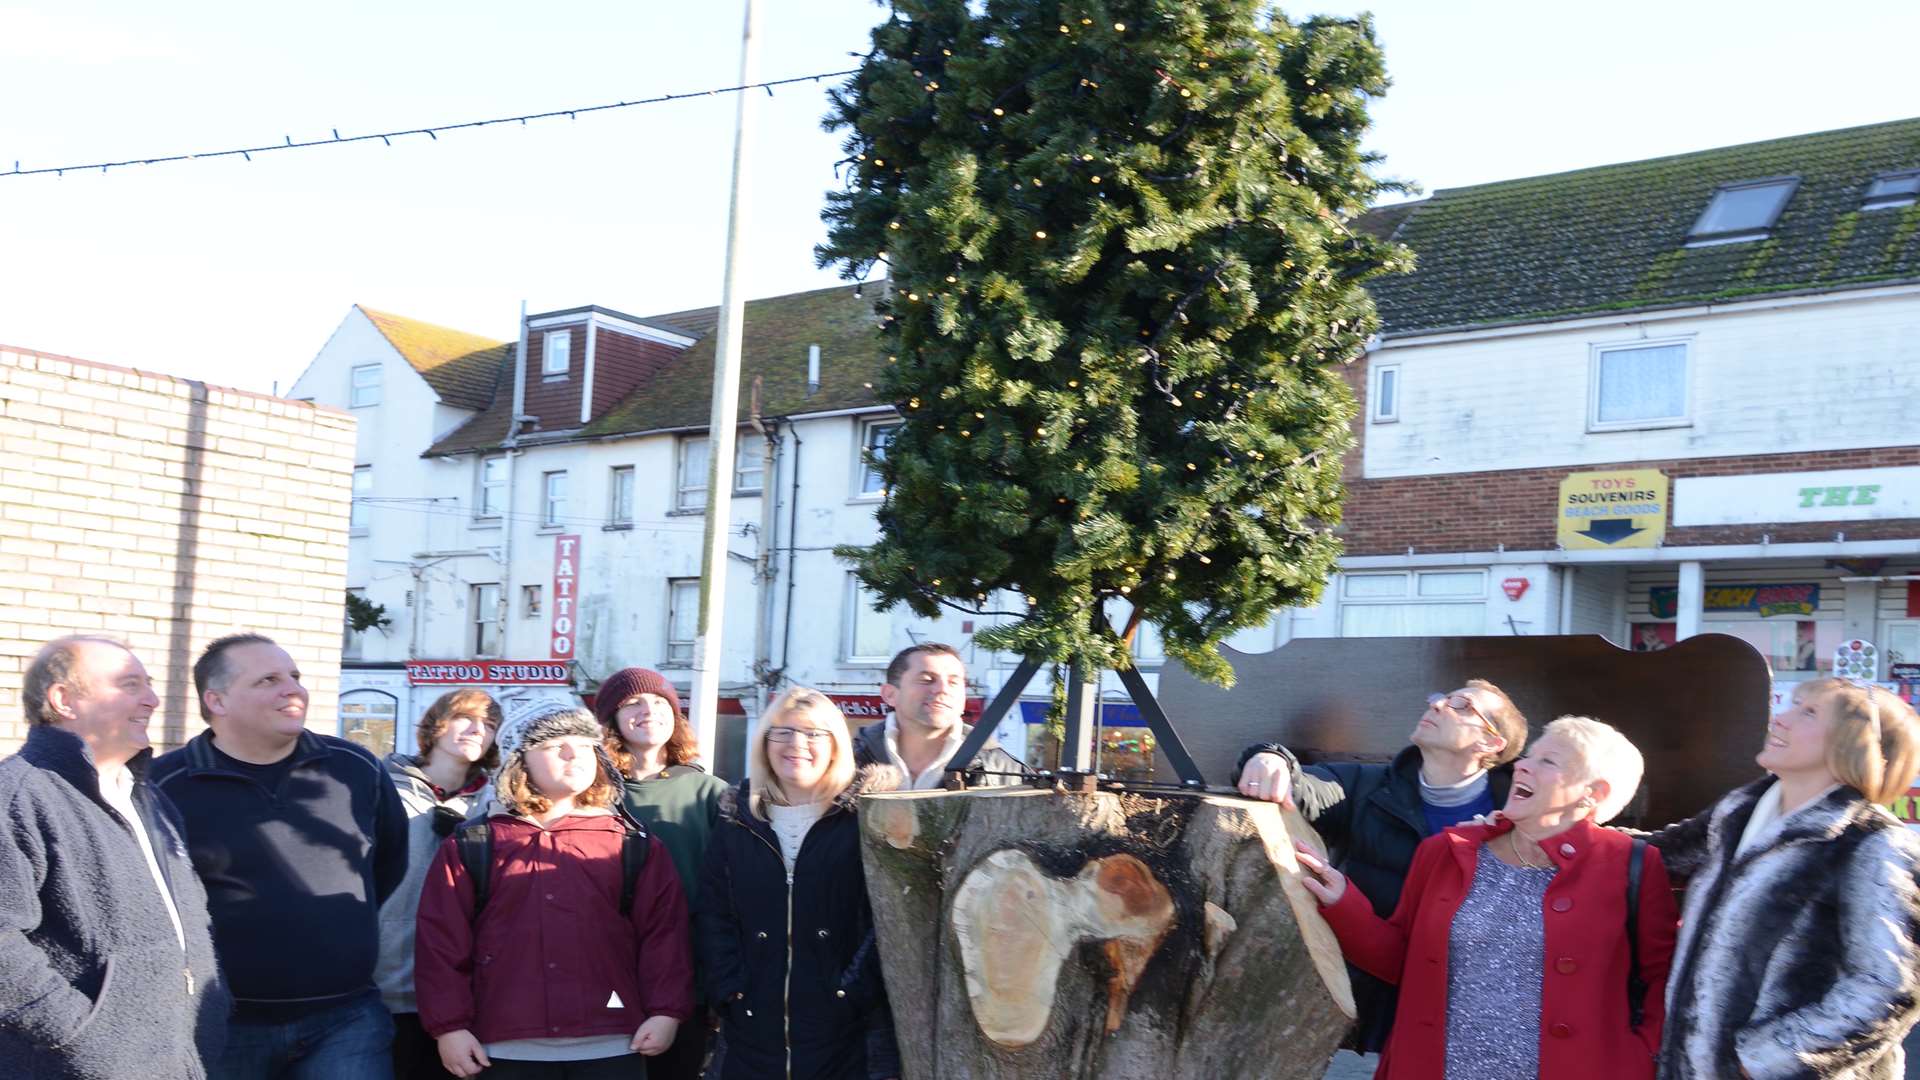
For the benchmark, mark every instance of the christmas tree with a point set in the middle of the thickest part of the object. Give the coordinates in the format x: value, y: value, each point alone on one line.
x: 1123, y: 278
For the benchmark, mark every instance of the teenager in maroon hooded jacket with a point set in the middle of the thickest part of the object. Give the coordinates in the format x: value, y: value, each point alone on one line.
x: 551, y: 980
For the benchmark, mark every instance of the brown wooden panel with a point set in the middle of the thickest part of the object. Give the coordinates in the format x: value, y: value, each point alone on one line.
x: 1697, y: 711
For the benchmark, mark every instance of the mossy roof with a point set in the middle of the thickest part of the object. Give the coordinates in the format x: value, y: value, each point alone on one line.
x: 461, y: 368
x: 778, y: 331
x: 1614, y: 237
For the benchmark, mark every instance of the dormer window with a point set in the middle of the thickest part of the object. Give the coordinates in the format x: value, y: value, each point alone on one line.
x: 1741, y: 212
x: 1890, y: 190
x: 558, y: 354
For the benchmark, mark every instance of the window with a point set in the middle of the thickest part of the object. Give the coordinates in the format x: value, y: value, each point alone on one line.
x: 683, y: 620
x: 1639, y: 386
x: 553, y: 500
x: 557, y: 353
x: 691, y: 473
x: 749, y: 467
x: 486, y: 620
x: 362, y: 490
x: 1891, y: 190
x: 529, y: 600
x: 366, y: 386
x: 351, y: 640
x: 1429, y: 603
x: 1386, y: 393
x: 875, y: 437
x: 869, y: 633
x: 1744, y: 211
x: 490, y: 500
x: 620, y: 496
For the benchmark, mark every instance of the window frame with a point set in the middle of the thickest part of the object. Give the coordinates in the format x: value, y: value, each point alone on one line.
x: 548, y: 370
x: 553, y: 510
x: 481, y: 486
x: 1696, y: 238
x: 616, y: 476
x: 352, y: 642
x: 491, y: 620
x: 850, y: 611
x: 1382, y: 411
x: 1893, y: 200
x: 861, y: 470
x: 681, y: 488
x: 1410, y: 595
x: 357, y: 507
x: 678, y: 652
x: 1596, y: 359
x: 530, y: 601
x: 377, y: 387
x: 740, y: 447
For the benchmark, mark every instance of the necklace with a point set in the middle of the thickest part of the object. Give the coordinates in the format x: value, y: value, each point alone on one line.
x: 1520, y: 853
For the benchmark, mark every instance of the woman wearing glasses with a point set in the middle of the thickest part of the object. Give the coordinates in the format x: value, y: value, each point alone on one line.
x: 1510, y: 943
x: 783, y: 930
x: 1798, y: 956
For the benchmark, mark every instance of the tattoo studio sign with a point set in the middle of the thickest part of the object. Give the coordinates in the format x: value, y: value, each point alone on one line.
x: 566, y: 588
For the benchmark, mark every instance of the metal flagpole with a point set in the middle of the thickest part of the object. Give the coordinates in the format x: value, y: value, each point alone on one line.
x: 707, y: 651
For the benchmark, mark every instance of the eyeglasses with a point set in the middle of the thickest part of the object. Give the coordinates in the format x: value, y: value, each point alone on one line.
x: 794, y: 735
x: 1460, y: 703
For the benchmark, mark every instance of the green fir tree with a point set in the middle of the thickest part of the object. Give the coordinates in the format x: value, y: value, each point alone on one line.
x: 1123, y: 281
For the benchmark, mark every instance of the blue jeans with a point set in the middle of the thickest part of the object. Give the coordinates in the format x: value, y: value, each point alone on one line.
x: 346, y: 1042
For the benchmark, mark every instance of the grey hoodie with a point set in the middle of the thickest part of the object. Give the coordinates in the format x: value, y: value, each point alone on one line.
x: 393, y: 972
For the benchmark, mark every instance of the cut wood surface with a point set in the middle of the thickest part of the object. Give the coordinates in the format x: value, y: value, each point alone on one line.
x: 1030, y: 934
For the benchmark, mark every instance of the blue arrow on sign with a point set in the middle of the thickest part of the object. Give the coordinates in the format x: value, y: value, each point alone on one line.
x: 1610, y: 530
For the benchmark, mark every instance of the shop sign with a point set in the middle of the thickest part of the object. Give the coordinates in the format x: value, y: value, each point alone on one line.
x: 488, y: 673
x: 1620, y: 508
x: 1763, y: 600
x: 566, y: 580
x: 1515, y: 587
x: 1856, y: 659
x: 866, y: 708
x: 1772, y: 498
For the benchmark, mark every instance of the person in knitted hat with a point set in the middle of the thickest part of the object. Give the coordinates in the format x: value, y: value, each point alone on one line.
x: 650, y: 741
x: 551, y: 978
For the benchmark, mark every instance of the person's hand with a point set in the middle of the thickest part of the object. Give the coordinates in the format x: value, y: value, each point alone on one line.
x: 461, y: 1054
x: 1323, y: 881
x: 655, y: 1035
x: 1267, y: 777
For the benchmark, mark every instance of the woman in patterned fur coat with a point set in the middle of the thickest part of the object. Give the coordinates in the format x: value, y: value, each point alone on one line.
x: 1797, y: 954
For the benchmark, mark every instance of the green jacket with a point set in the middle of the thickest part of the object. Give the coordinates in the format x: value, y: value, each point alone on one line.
x: 680, y: 806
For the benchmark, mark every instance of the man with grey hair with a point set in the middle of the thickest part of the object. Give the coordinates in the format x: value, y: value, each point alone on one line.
x: 299, y: 837
x: 106, y: 961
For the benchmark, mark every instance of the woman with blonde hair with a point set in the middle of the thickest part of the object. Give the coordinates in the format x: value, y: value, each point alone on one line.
x: 784, y: 934
x: 1511, y: 942
x: 1797, y: 956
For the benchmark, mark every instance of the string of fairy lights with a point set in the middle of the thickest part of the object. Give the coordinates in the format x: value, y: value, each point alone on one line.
x: 432, y: 132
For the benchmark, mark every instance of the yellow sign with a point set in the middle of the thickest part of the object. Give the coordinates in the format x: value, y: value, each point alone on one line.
x: 1622, y: 509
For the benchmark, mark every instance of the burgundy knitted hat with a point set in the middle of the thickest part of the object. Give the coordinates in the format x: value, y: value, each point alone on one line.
x: 625, y: 683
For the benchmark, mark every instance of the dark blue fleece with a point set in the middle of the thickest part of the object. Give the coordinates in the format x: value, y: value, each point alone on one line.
x: 295, y: 872
x: 93, y: 984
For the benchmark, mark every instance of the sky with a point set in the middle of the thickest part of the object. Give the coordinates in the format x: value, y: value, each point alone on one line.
x: 237, y: 272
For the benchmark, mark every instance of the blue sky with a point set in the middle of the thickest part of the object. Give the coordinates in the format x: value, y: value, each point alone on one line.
x: 237, y: 272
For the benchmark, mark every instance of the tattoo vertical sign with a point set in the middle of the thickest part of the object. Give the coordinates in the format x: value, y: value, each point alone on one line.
x: 566, y: 582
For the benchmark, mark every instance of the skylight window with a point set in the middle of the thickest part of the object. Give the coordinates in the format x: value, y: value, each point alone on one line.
x: 1893, y: 189
x: 1743, y: 211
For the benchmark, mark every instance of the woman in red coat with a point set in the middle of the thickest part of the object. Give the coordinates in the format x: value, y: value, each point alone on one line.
x: 1510, y: 941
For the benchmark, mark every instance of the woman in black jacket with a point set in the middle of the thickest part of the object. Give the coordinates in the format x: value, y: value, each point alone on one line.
x: 783, y: 929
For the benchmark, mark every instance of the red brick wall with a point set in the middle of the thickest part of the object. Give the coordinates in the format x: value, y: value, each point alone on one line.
x: 556, y: 403
x: 623, y: 363
x: 1475, y: 511
x: 1356, y: 376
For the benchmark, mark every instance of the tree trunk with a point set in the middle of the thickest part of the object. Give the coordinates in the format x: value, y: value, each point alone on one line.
x: 1030, y: 934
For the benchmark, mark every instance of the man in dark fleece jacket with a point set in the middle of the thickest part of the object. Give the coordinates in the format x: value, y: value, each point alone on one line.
x: 106, y: 962
x: 299, y: 837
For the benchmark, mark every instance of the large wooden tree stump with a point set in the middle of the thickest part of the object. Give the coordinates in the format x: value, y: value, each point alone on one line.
x: 1030, y: 934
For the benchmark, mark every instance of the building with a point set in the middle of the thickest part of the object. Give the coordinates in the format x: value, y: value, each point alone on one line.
x: 1650, y: 400
x: 164, y: 513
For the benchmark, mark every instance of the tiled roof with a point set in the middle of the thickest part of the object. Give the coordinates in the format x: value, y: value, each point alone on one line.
x: 1614, y: 237
x: 778, y: 331
x: 462, y: 368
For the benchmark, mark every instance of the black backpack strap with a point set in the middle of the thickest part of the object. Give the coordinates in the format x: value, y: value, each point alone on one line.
x: 1636, y: 986
x: 474, y: 842
x: 633, y: 856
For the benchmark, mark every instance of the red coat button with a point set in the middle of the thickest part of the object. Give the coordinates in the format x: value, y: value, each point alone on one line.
x: 1565, y: 903
x: 1565, y: 965
x: 1560, y: 1031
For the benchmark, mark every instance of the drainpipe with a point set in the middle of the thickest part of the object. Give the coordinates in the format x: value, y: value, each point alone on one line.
x: 793, y: 550
x: 512, y: 446
x: 769, y: 536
